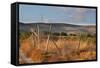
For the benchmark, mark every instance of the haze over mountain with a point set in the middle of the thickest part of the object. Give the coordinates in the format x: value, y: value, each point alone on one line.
x: 57, y: 27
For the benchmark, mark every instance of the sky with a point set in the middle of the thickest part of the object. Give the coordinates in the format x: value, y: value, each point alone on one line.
x: 54, y: 14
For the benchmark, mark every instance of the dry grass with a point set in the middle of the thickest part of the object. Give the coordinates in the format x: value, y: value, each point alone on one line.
x: 62, y: 49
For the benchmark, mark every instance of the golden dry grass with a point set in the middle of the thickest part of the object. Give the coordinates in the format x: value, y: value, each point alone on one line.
x: 62, y: 49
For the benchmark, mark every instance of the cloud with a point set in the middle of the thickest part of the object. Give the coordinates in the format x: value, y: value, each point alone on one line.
x: 79, y: 14
x: 73, y: 13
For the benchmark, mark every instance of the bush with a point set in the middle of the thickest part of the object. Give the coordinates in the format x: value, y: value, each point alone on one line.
x: 56, y: 34
x: 23, y: 35
x: 46, y: 32
x: 64, y: 34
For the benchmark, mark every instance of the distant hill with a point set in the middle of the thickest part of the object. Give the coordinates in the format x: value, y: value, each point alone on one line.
x: 57, y: 27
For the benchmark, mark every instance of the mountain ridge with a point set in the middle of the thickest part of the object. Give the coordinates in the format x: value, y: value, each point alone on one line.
x: 57, y: 27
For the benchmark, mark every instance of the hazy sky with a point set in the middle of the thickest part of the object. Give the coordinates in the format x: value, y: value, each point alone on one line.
x: 73, y: 15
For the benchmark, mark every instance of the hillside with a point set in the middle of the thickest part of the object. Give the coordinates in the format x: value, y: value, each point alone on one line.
x: 57, y: 27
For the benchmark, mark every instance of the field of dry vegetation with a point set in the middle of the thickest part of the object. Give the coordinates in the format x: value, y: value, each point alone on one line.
x: 41, y: 48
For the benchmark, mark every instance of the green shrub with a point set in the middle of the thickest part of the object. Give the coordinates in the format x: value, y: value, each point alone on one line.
x: 23, y: 35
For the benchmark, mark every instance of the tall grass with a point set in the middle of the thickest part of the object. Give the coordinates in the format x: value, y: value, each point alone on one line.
x: 58, y: 47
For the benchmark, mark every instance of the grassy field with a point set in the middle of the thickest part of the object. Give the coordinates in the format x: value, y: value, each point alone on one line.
x: 52, y: 47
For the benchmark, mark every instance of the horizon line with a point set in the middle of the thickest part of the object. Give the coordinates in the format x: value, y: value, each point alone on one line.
x: 55, y: 22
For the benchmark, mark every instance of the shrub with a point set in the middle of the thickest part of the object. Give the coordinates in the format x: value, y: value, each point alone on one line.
x: 23, y: 35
